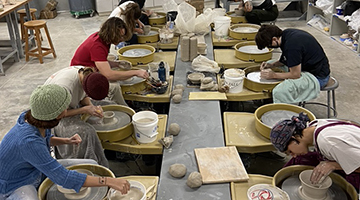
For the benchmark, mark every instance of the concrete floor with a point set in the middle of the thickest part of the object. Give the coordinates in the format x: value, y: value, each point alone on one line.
x: 67, y: 33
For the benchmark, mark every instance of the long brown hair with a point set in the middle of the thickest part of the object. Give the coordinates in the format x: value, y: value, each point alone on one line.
x: 132, y: 12
x: 110, y: 31
x: 40, y: 123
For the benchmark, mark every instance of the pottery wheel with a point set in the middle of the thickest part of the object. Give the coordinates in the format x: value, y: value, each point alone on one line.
x: 291, y: 186
x: 149, y: 34
x: 272, y: 117
x: 252, y: 49
x: 95, y: 193
x: 255, y: 76
x: 121, y: 119
x: 131, y: 81
x: 136, y: 52
x: 245, y: 30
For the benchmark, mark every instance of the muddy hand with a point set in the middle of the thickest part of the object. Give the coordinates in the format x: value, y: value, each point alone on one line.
x: 321, y: 171
x: 75, y: 139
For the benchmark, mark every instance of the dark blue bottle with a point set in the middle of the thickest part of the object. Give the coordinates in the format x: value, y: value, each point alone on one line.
x: 161, y: 72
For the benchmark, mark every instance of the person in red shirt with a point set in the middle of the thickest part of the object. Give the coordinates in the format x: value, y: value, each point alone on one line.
x: 94, y: 50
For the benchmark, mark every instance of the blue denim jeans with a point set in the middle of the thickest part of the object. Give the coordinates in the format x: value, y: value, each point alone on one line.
x: 29, y: 192
x: 323, y: 81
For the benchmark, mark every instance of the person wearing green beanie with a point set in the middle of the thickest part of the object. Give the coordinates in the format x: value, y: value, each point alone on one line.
x: 25, y: 159
x: 84, y: 86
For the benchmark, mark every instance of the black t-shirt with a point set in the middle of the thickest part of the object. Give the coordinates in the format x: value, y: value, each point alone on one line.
x: 300, y: 47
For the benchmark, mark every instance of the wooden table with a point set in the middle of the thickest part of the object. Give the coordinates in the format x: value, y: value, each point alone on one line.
x: 226, y: 57
x: 166, y: 56
x: 10, y: 14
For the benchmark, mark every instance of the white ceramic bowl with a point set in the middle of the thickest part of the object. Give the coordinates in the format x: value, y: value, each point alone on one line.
x: 313, y: 191
x: 266, y: 191
x: 114, y: 194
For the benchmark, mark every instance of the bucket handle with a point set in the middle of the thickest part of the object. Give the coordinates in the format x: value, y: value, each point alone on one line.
x: 148, y: 135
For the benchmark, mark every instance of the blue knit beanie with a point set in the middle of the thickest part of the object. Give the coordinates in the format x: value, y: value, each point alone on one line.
x: 282, y: 132
x: 47, y: 102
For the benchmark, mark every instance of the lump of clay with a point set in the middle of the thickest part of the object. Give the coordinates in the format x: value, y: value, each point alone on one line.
x: 194, y: 180
x: 166, y: 141
x: 177, y: 98
x: 206, y: 80
x: 177, y: 170
x: 174, y: 129
x: 179, y: 86
x: 207, y: 86
x: 177, y: 91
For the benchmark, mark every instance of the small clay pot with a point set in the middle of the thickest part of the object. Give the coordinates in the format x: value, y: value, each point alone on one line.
x: 108, y: 117
x: 239, y: 11
x: 195, y: 78
x: 310, y: 190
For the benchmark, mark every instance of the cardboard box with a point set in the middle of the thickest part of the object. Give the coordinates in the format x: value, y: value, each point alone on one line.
x: 45, y: 14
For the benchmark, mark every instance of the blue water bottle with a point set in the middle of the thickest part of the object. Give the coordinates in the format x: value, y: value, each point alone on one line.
x: 161, y: 72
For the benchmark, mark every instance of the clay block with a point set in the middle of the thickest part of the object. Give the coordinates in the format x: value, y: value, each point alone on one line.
x: 44, y: 14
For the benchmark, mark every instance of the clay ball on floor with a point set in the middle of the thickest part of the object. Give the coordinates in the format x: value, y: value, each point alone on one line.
x: 194, y: 180
x: 177, y: 98
x: 174, y: 129
x: 177, y: 91
x: 179, y: 86
x: 177, y: 170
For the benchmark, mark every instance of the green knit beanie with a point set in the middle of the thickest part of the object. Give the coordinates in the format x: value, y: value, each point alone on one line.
x: 47, y: 102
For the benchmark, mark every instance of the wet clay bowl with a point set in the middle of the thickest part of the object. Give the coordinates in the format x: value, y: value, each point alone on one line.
x: 243, y: 31
x: 119, y: 133
x: 136, y: 188
x: 137, y: 60
x: 152, y: 37
x: 253, y: 54
x: 95, y: 169
x: 195, y: 78
x: 264, y: 129
x: 287, y: 172
x: 258, y: 86
x: 236, y: 19
x: 311, y: 190
x: 158, y: 18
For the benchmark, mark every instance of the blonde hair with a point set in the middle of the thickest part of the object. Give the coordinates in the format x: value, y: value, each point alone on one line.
x: 110, y: 31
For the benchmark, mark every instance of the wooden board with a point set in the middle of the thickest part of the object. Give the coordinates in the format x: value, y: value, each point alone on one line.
x: 207, y: 96
x: 220, y: 165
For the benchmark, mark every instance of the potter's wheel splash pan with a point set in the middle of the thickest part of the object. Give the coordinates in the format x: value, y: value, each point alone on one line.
x: 137, y: 60
x: 287, y: 172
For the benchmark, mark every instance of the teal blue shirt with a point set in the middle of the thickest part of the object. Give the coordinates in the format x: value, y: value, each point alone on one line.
x: 25, y: 157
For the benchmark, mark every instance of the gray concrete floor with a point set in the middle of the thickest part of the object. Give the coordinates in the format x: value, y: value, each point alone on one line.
x: 67, y: 33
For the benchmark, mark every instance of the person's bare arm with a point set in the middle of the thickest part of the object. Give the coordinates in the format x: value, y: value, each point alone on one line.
x: 88, y: 108
x: 294, y: 73
x: 121, y: 185
x: 113, y: 75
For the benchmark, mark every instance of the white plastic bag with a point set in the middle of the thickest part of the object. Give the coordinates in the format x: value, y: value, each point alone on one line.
x: 185, y: 18
x: 203, y: 64
x: 169, y: 5
x: 203, y: 21
x: 325, y: 5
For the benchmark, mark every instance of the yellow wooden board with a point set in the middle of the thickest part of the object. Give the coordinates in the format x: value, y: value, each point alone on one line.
x: 167, y: 56
x: 147, y: 181
x: 226, y: 57
x: 151, y: 97
x: 240, y: 132
x: 245, y: 94
x: 239, y: 190
x: 130, y: 144
x: 220, y: 165
x: 223, y: 41
x: 207, y: 96
x: 159, y: 45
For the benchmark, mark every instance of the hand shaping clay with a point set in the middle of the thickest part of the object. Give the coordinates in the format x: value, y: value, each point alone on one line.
x: 177, y: 170
x: 179, y: 86
x: 194, y: 180
x: 174, y: 129
x: 177, y: 98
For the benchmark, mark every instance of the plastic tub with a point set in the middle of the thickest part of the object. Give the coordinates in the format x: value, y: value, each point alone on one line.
x: 222, y: 24
x: 234, y: 78
x: 145, y: 126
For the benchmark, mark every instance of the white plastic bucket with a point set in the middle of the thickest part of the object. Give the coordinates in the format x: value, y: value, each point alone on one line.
x: 222, y: 24
x: 219, y: 12
x: 145, y: 126
x: 234, y: 78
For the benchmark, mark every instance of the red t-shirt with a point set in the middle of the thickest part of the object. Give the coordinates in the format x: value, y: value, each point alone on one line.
x: 91, y: 50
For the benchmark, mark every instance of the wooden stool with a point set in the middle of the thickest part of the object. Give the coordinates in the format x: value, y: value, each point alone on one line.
x: 36, y: 25
x: 330, y: 89
x: 22, y: 14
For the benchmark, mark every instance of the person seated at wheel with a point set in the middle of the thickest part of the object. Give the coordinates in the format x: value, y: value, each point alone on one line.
x: 258, y: 11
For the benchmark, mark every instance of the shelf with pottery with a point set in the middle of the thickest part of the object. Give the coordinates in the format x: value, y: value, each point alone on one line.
x: 245, y: 94
x: 131, y: 145
x: 166, y: 56
x: 150, y: 183
x: 167, y: 46
x: 135, y: 93
x: 223, y: 41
